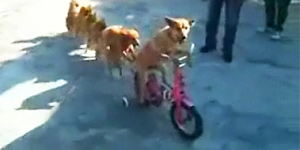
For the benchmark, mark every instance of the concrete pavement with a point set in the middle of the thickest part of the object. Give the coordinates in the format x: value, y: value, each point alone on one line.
x: 53, y: 97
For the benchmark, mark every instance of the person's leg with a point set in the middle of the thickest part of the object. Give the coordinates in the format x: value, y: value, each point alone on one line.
x: 215, y: 7
x: 233, y: 9
x: 270, y: 13
x: 282, y: 7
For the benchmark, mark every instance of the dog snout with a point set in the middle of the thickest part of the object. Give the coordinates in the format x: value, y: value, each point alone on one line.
x: 137, y: 42
x: 182, y: 39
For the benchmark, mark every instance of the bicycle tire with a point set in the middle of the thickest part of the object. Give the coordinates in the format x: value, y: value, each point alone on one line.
x: 198, y: 131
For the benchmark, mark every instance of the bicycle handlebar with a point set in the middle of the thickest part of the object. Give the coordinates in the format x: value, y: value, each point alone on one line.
x: 185, y: 56
x: 180, y: 62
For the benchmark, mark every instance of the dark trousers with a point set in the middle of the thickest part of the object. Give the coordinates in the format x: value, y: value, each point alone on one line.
x: 232, y: 10
x: 279, y: 8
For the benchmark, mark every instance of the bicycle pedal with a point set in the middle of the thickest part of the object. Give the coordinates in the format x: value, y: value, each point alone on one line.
x: 166, y: 94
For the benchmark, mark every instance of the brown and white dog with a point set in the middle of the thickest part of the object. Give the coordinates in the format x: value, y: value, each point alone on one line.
x: 117, y: 42
x: 162, y: 46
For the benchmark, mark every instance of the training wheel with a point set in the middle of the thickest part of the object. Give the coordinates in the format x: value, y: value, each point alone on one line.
x: 125, y: 102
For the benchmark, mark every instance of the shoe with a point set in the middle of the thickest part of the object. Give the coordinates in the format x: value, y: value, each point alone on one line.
x: 276, y: 36
x: 227, y: 57
x: 265, y: 30
x: 206, y: 49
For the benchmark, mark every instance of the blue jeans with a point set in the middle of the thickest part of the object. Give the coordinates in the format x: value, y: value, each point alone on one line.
x: 232, y: 10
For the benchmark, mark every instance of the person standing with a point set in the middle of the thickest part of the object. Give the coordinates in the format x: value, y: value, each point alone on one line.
x: 232, y: 10
x: 276, y: 15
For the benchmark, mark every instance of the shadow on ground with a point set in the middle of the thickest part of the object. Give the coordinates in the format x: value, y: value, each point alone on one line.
x: 90, y: 111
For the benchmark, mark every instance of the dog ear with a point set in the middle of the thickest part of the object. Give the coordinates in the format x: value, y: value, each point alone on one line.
x: 192, y: 22
x: 94, y: 16
x: 89, y: 8
x: 170, y: 21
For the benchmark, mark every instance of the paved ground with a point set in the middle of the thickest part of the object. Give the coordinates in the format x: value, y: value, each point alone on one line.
x: 53, y: 97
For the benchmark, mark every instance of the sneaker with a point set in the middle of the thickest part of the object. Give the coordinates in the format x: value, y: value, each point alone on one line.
x: 265, y: 30
x: 206, y: 49
x: 276, y: 36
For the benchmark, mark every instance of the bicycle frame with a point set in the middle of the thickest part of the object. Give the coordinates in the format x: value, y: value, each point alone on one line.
x: 178, y: 94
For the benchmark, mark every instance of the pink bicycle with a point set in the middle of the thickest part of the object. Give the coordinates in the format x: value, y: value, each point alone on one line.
x: 184, y: 116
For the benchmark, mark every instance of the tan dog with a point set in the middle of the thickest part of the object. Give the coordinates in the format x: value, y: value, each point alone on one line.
x: 80, y: 20
x: 94, y: 33
x: 162, y: 46
x: 116, y: 43
x: 74, y: 9
x: 86, y: 26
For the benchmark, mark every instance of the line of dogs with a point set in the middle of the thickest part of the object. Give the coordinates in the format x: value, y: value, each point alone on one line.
x: 115, y: 43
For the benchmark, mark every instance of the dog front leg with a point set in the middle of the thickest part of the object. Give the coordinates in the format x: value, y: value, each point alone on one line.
x: 87, y: 46
x: 109, y: 66
x: 162, y: 70
x: 165, y: 56
x: 77, y: 31
x: 98, y: 53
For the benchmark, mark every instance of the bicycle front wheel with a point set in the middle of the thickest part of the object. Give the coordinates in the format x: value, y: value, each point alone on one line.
x: 188, y: 123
